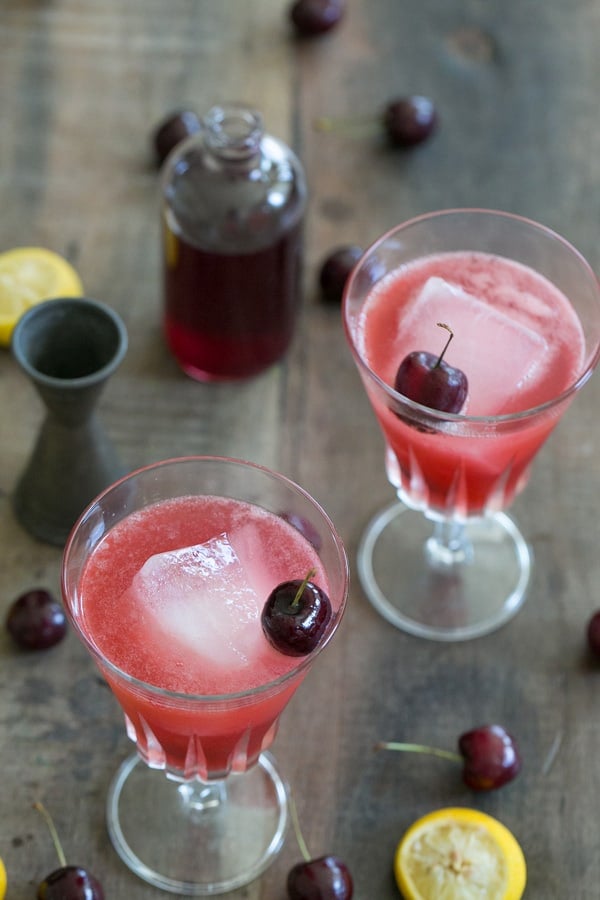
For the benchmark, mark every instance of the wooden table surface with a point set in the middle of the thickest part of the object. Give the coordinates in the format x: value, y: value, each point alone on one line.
x: 81, y: 87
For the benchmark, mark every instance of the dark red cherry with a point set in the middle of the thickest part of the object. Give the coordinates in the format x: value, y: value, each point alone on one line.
x: 491, y: 757
x: 305, y: 527
x: 66, y: 882
x: 295, y: 616
x: 593, y: 634
x: 335, y: 271
x: 36, y: 620
x: 312, y: 17
x: 326, y: 878
x: 70, y: 883
x: 422, y: 378
x: 429, y: 380
x: 172, y: 130
x: 409, y: 120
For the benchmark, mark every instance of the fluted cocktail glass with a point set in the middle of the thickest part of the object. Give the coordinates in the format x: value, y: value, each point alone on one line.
x: 164, y: 578
x: 445, y: 561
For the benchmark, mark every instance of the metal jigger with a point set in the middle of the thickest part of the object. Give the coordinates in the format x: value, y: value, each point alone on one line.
x: 68, y: 348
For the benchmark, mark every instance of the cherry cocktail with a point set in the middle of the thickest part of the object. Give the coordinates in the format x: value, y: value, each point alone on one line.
x: 472, y: 331
x: 166, y: 578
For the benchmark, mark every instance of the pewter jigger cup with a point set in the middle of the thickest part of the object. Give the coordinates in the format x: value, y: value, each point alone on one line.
x: 68, y: 347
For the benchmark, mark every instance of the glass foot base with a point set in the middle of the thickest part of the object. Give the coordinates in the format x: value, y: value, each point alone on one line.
x: 192, y: 838
x: 445, y: 603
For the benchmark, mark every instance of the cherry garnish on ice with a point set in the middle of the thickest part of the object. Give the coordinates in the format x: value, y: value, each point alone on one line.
x: 295, y: 616
x: 36, y: 620
x: 593, y: 634
x: 409, y: 120
x: 66, y: 882
x: 313, y: 17
x: 335, y: 270
x: 489, y: 756
x: 323, y: 878
x: 429, y: 380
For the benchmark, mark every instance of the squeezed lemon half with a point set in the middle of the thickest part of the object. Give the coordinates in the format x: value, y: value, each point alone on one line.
x: 29, y: 275
x: 459, y: 854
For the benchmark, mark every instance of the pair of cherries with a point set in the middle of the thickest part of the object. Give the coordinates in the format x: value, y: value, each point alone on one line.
x: 490, y: 759
x: 294, y: 620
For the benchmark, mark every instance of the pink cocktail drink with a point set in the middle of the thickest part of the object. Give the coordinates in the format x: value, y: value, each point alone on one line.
x: 173, y: 597
x: 165, y: 578
x: 518, y: 340
x: 445, y: 561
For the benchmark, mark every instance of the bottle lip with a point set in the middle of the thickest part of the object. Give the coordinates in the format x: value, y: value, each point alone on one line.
x: 233, y: 130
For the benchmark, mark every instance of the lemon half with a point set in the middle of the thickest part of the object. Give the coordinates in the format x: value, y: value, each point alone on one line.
x: 29, y: 275
x: 459, y: 854
x: 2, y: 881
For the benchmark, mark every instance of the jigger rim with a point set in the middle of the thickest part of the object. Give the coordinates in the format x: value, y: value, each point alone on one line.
x: 49, y: 309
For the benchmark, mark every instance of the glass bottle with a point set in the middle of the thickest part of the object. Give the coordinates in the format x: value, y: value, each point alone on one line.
x: 233, y: 202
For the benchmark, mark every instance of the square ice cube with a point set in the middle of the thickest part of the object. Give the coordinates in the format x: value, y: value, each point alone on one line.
x: 500, y: 356
x: 202, y: 598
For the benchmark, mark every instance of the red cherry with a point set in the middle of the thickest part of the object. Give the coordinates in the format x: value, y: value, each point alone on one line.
x: 429, y: 380
x: 488, y: 754
x: 335, y: 271
x: 312, y: 17
x: 70, y: 883
x: 36, y: 620
x: 177, y: 126
x: 305, y: 527
x: 593, y: 634
x: 409, y: 120
x: 295, y: 616
x: 325, y: 878
x: 491, y: 757
x: 66, y: 882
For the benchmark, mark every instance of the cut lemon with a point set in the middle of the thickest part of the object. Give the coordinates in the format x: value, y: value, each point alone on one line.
x: 459, y: 854
x: 29, y: 275
x: 2, y: 881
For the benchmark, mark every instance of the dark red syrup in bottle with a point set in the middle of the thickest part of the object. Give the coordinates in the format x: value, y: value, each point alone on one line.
x: 233, y: 208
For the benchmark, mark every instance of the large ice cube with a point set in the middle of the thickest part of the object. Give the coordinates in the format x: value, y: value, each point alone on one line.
x: 202, y: 597
x: 501, y: 356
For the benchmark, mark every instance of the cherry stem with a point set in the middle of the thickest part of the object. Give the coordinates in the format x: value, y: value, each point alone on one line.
x: 446, y: 345
x: 55, y: 838
x: 297, y: 830
x: 300, y: 590
x: 419, y: 748
x: 345, y: 124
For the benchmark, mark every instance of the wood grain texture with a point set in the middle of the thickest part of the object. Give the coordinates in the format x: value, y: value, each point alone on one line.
x: 81, y: 87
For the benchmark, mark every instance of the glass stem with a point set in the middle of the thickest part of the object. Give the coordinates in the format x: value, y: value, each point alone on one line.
x: 199, y: 798
x: 449, y: 547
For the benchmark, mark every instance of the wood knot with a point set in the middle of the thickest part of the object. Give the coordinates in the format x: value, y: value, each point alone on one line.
x: 472, y: 44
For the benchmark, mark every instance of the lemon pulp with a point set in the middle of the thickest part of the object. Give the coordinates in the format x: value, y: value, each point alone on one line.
x: 29, y: 275
x: 459, y: 854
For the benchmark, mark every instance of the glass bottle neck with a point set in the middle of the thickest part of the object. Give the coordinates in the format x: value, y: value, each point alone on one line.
x: 233, y: 133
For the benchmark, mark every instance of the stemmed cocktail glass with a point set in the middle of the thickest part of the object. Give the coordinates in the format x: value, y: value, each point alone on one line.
x: 202, y: 692
x: 445, y: 561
